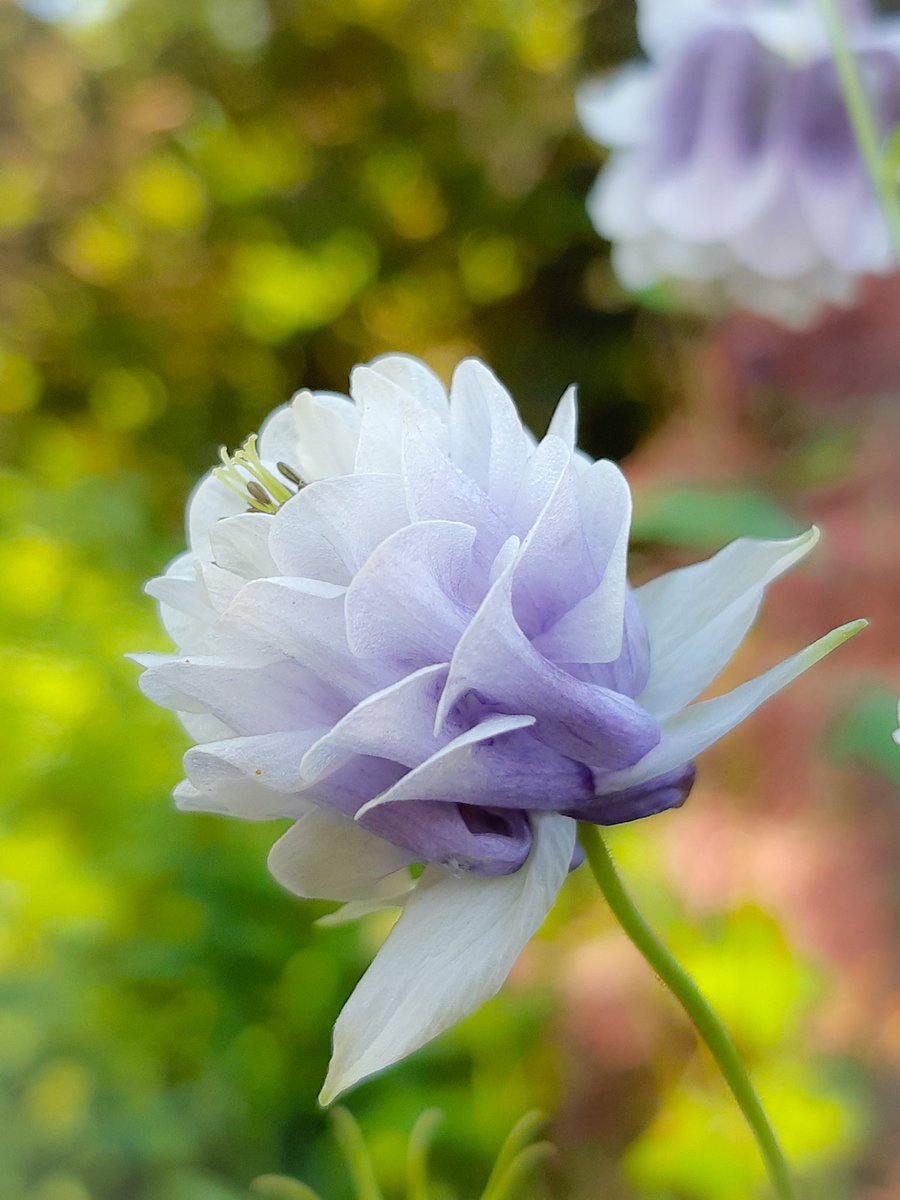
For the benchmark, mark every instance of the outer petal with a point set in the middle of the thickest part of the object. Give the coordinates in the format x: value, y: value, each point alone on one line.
x: 697, y: 616
x: 250, y: 694
x: 451, y: 950
x: 685, y: 735
x: 328, y: 857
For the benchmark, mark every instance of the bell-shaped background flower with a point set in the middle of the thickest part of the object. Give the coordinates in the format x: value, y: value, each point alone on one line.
x: 421, y: 644
x: 734, y: 174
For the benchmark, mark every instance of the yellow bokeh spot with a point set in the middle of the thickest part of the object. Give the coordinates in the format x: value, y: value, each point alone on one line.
x: 409, y: 197
x: 547, y: 37
x: 281, y: 290
x: 20, y: 384
x: 59, y: 1187
x: 19, y: 193
x: 98, y: 247
x: 20, y: 1039
x: 58, y: 1099
x: 60, y: 690
x: 490, y: 267
x: 124, y: 400
x: 34, y: 571
x: 165, y: 193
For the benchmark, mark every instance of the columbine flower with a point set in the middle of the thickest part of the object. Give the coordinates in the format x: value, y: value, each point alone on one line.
x: 735, y: 174
x: 407, y: 625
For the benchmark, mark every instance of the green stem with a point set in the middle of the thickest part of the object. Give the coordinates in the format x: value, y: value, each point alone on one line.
x: 864, y: 125
x: 707, y: 1024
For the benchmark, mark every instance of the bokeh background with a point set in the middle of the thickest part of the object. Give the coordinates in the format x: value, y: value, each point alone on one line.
x: 204, y: 206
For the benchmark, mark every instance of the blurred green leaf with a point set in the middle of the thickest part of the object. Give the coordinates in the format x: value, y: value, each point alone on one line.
x: 702, y: 519
x: 279, y: 1187
x: 865, y: 735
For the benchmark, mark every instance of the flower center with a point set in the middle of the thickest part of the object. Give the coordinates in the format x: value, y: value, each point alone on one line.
x: 244, y: 474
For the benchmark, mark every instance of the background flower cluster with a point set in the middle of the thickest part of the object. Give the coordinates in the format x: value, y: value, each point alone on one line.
x: 203, y: 207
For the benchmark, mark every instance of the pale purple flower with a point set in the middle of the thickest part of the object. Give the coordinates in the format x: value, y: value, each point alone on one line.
x: 430, y: 654
x: 734, y: 173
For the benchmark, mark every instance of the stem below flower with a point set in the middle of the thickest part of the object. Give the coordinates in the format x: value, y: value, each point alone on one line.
x: 862, y: 119
x: 707, y: 1024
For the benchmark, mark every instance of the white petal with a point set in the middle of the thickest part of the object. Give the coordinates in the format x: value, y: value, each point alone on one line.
x: 353, y: 910
x: 451, y: 950
x: 617, y: 203
x: 270, y: 759
x: 487, y: 438
x: 329, y: 530
x: 615, y: 110
x: 277, y: 439
x: 697, y: 616
x: 592, y: 631
x: 328, y: 857
x: 396, y: 723
x: 416, y: 379
x: 666, y: 26
x: 327, y: 434
x: 209, y: 502
x: 696, y: 728
x: 451, y: 770
x: 387, y: 411
x: 564, y: 422
x: 241, y: 544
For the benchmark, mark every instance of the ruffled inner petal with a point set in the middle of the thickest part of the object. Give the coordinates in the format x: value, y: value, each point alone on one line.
x: 388, y: 409
x: 437, y: 490
x: 592, y: 629
x: 487, y: 439
x: 396, y: 723
x: 331, y: 527
x: 414, y: 596
x: 496, y: 661
x: 303, y: 620
x: 496, y: 761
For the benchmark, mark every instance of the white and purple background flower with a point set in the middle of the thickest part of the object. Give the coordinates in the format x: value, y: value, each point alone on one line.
x: 431, y: 655
x: 734, y: 174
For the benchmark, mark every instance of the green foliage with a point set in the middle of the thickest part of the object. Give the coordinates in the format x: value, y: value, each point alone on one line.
x: 706, y: 520
x: 518, y: 1157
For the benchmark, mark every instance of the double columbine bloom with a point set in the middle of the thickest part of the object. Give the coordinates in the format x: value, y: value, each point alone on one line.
x: 734, y: 174
x: 405, y: 624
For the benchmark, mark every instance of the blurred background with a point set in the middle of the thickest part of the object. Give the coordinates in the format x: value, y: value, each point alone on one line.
x: 204, y: 207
